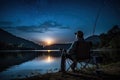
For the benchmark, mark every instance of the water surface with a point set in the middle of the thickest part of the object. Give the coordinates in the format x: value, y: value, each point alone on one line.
x: 29, y: 63
x: 19, y: 64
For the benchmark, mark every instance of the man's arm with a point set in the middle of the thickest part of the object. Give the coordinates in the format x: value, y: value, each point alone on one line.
x: 73, y: 48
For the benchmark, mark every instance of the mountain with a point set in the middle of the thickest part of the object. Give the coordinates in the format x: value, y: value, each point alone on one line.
x: 111, y: 39
x: 58, y: 46
x: 9, y: 39
x: 95, y: 39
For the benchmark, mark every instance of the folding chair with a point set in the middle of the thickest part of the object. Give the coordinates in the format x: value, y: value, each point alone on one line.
x: 85, y: 62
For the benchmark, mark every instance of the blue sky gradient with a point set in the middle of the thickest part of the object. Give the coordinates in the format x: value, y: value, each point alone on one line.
x: 38, y: 20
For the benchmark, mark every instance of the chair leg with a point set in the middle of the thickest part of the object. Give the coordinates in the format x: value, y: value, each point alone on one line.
x: 86, y: 64
x: 63, y: 64
x: 69, y: 63
x: 73, y: 66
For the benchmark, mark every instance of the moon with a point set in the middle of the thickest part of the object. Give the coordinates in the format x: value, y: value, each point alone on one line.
x: 49, y: 41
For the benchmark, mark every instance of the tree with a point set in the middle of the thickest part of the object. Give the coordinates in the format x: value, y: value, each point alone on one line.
x: 114, y: 31
x: 111, y: 38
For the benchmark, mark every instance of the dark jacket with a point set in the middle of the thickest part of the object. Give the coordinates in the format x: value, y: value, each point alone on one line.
x: 73, y: 48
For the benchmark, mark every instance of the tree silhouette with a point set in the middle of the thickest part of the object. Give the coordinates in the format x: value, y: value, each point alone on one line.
x: 111, y: 38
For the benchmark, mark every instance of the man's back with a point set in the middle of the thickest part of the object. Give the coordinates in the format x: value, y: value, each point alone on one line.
x: 83, y: 50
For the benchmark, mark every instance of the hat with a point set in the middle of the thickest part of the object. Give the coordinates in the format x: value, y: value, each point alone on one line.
x: 79, y: 33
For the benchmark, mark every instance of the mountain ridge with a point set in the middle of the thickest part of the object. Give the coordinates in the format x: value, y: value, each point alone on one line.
x: 10, y: 39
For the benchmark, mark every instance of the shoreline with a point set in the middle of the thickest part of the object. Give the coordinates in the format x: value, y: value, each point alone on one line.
x: 111, y: 72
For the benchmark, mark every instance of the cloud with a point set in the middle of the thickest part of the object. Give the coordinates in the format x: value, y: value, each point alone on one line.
x: 30, y: 29
x: 6, y: 23
x: 52, y: 24
x: 46, y: 26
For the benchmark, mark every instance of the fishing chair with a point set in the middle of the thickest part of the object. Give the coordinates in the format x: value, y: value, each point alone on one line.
x: 85, y: 60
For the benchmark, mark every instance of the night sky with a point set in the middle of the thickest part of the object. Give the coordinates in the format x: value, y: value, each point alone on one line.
x: 57, y: 20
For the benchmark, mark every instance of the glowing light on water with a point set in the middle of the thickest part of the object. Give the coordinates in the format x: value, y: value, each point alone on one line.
x: 48, y: 51
x: 49, y: 59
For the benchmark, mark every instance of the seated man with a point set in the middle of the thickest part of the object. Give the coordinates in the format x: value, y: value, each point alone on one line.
x: 79, y: 50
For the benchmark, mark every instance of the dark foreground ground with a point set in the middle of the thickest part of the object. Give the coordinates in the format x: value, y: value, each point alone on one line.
x: 110, y: 72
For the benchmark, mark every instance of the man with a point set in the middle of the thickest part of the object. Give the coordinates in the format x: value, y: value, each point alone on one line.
x: 76, y: 51
x: 72, y: 49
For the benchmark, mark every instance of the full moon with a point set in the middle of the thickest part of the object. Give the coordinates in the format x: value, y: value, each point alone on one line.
x: 49, y: 41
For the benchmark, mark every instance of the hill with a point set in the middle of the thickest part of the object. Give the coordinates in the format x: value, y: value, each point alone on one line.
x: 9, y: 40
x: 111, y: 39
x: 95, y: 39
x: 58, y: 46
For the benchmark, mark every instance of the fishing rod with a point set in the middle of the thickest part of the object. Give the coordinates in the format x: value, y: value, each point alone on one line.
x: 97, y: 17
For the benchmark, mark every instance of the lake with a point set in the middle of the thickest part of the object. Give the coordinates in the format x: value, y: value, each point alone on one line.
x: 26, y: 63
x: 20, y: 64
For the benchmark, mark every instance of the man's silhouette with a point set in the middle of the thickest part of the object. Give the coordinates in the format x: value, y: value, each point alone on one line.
x: 78, y: 50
